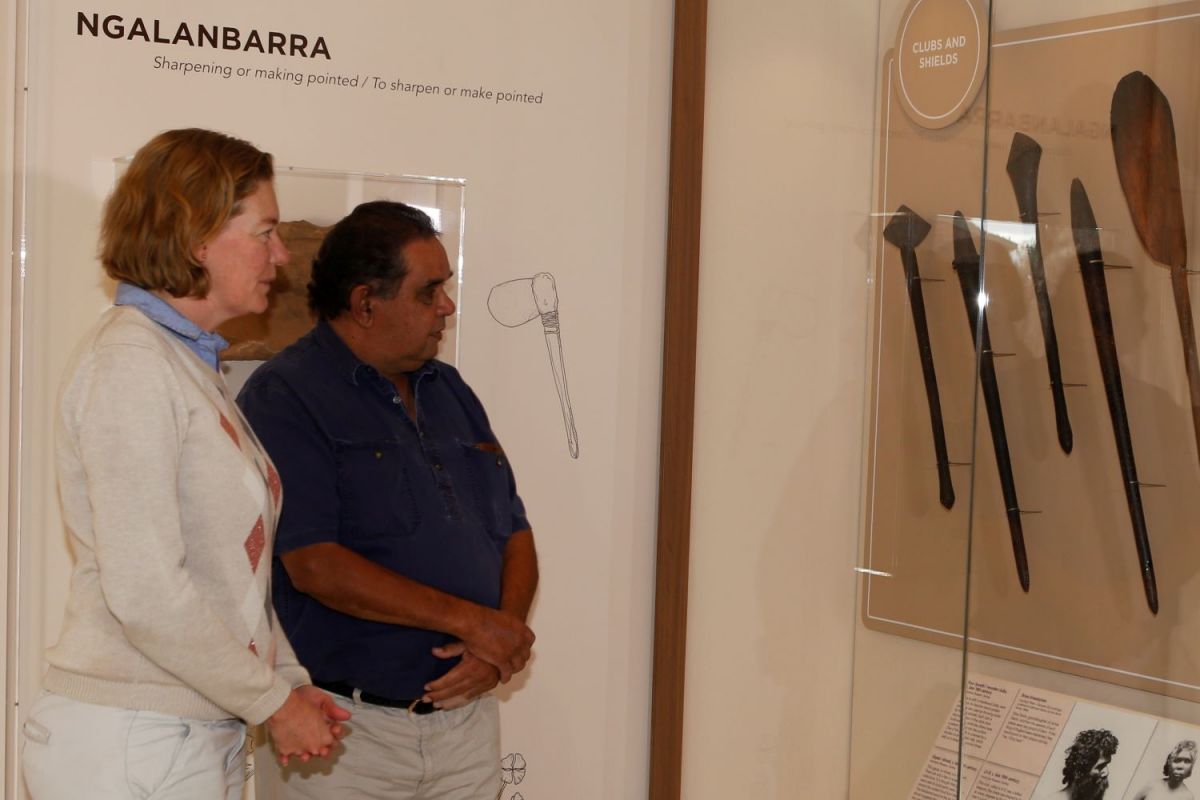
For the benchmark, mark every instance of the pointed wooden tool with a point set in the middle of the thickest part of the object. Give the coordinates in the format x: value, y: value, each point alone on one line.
x: 1023, y: 160
x: 1091, y: 267
x: 966, y: 264
x: 1143, y: 136
x: 907, y: 230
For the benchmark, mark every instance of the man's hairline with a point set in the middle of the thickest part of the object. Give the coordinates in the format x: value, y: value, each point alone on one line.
x: 396, y: 282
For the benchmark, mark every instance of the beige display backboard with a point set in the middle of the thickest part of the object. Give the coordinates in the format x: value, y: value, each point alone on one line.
x: 1085, y: 611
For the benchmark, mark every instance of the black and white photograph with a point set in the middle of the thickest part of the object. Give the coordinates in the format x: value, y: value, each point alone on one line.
x: 1167, y: 765
x: 1096, y: 755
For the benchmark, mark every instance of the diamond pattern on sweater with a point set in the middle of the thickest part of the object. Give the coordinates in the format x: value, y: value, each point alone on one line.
x: 273, y: 482
x: 255, y: 543
x: 228, y: 426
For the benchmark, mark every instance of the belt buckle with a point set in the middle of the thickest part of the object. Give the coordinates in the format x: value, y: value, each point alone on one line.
x: 420, y: 707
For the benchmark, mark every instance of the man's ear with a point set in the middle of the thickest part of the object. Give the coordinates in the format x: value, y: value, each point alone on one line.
x: 361, y: 305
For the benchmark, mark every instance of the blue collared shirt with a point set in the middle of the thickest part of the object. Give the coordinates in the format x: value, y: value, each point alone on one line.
x: 433, y: 499
x: 203, y: 343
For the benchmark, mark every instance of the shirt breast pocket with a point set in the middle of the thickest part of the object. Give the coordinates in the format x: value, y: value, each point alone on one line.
x: 491, y: 485
x: 375, y: 491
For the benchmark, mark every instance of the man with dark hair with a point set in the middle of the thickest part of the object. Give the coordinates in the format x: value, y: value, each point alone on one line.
x: 1085, y: 772
x: 405, y: 565
x: 1176, y: 770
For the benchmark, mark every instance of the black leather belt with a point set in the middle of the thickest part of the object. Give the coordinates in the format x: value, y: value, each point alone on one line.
x: 344, y: 689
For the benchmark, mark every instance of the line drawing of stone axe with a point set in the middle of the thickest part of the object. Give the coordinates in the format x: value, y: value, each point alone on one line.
x: 515, y: 302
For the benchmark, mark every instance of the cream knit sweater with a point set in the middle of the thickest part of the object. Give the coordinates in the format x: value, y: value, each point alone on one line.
x: 171, y: 506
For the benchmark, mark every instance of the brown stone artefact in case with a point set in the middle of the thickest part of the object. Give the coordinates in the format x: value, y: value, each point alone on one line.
x: 257, y: 337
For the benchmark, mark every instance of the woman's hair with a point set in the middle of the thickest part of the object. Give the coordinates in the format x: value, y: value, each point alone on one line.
x: 179, y: 190
x: 1186, y: 746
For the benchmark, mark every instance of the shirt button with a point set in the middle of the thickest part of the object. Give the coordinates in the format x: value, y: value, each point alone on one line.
x: 395, y: 399
x: 438, y: 467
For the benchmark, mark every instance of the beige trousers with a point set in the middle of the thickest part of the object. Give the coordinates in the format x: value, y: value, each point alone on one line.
x: 390, y: 754
x: 75, y: 751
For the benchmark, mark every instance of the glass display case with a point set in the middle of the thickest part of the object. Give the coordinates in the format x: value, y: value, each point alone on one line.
x: 1032, y: 461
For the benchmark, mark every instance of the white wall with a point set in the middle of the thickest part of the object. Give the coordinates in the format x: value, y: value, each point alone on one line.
x: 789, y: 117
x: 8, y: 259
x: 575, y: 186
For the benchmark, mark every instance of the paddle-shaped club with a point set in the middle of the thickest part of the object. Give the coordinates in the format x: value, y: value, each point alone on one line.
x: 1143, y: 136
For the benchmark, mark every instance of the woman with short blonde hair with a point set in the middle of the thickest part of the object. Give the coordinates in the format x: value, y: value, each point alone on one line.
x: 170, y: 645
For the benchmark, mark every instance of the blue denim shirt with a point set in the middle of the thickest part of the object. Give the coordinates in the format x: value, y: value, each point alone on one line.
x: 201, y: 342
x: 433, y: 499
